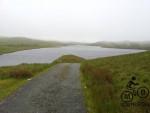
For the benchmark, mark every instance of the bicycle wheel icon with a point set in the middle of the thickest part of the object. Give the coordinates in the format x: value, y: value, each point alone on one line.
x: 127, y: 96
x: 143, y: 92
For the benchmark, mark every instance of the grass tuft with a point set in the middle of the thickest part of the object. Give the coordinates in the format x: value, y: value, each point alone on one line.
x: 21, y: 73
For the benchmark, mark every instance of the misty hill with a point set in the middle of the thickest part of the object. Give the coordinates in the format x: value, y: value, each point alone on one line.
x: 20, y: 43
x: 124, y: 45
x: 27, y: 41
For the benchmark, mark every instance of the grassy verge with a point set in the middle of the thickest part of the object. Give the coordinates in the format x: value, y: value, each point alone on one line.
x: 104, y: 80
x: 13, y: 77
x: 8, y: 86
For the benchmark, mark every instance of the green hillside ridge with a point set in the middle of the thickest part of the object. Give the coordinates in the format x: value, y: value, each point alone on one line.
x: 20, y: 43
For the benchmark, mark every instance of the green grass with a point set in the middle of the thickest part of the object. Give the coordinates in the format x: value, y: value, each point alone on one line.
x: 8, y: 45
x: 10, y: 83
x: 104, y: 79
x: 8, y: 86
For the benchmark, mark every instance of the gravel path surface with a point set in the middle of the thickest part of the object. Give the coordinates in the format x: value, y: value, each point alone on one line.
x: 56, y: 91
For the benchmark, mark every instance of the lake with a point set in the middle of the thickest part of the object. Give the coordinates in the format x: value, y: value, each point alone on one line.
x: 48, y: 55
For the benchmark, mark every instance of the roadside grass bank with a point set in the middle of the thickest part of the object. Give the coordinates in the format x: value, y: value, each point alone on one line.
x: 104, y: 79
x: 13, y: 77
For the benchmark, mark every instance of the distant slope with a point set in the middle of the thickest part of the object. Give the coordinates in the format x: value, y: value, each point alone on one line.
x: 20, y: 43
x: 124, y: 45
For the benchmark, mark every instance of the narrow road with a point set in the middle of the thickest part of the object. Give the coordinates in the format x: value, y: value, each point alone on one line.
x: 56, y: 91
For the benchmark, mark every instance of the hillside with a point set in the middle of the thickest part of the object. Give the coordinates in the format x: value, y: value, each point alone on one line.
x: 20, y: 43
x: 145, y: 45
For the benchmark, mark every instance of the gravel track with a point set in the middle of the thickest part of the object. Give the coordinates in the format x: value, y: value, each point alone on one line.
x: 56, y: 91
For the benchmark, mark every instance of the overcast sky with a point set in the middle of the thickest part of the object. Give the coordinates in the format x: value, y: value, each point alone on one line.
x: 76, y: 20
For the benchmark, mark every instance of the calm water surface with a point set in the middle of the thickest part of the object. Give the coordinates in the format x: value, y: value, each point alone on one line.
x: 48, y: 55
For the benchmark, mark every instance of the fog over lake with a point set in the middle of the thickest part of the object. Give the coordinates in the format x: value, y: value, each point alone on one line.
x: 48, y: 55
